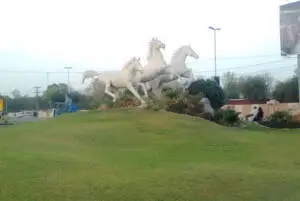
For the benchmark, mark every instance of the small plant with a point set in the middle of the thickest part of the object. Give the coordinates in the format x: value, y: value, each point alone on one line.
x: 227, y: 117
x: 173, y: 94
x: 280, y: 117
x: 182, y: 102
x: 155, y: 105
x: 126, y: 100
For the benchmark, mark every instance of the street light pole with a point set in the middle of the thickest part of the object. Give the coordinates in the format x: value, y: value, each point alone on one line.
x: 215, y: 46
x: 68, y: 69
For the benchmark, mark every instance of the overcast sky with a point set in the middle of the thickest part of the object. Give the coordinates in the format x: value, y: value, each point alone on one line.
x: 46, y: 35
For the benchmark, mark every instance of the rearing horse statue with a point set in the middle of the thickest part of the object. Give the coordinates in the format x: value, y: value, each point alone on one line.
x: 176, y: 70
x: 156, y: 64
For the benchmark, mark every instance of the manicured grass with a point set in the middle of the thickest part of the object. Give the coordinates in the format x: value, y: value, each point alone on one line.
x: 138, y: 155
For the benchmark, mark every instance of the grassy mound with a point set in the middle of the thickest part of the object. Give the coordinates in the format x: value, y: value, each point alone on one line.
x: 138, y: 155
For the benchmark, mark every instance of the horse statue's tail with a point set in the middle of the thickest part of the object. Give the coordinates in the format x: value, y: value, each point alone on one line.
x: 89, y: 74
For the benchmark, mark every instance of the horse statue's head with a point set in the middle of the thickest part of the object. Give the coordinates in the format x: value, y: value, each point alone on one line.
x: 155, y: 45
x: 89, y: 74
x: 133, y: 66
x: 188, y: 51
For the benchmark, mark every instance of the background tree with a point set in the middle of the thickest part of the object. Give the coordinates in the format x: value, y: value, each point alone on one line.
x: 287, y: 91
x: 55, y: 93
x: 210, y: 89
x: 16, y: 93
x: 230, y: 84
x: 255, y: 88
x: 270, y: 84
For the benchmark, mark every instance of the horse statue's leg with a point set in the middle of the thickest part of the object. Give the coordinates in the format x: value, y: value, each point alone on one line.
x: 108, y: 92
x: 155, y: 86
x: 136, y: 94
x: 144, y: 89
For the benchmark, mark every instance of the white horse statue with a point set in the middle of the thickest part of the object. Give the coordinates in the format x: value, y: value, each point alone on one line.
x: 177, y: 69
x: 156, y: 64
x: 124, y: 79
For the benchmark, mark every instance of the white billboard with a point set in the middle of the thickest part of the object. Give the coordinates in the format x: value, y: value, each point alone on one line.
x: 290, y: 28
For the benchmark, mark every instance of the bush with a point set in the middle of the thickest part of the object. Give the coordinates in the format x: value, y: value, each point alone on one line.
x: 227, y: 117
x: 125, y: 100
x: 155, y: 105
x: 280, y: 117
x: 207, y: 116
x: 181, y: 102
x: 210, y: 89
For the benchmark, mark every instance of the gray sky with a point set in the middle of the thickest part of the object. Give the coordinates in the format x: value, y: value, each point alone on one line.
x: 39, y: 36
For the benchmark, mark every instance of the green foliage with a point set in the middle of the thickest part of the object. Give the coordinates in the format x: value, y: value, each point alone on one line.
x: 227, y: 117
x: 173, y: 94
x: 182, y: 102
x: 255, y: 88
x: 287, y: 91
x: 125, y: 100
x: 210, y: 89
x: 25, y: 103
x: 16, y: 94
x: 280, y: 117
x: 155, y: 105
x: 231, y: 85
x: 55, y: 93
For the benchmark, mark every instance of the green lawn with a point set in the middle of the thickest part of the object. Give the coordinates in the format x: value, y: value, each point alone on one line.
x: 136, y: 155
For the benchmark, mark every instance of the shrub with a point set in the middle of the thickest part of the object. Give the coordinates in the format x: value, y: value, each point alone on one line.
x: 126, y: 99
x: 227, y: 117
x: 173, y: 94
x: 194, y: 105
x: 155, y: 105
x: 181, y: 102
x: 210, y: 89
x: 207, y: 116
x: 178, y: 106
x: 280, y: 117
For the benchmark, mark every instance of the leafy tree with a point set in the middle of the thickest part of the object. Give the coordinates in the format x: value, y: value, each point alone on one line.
x: 55, y: 93
x: 210, y: 89
x: 76, y: 96
x: 25, y: 103
x: 231, y: 85
x: 84, y: 101
x: 16, y: 93
x: 255, y: 88
x: 287, y: 91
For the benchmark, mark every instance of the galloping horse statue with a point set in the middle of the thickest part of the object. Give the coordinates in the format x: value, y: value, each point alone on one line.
x: 119, y: 79
x: 176, y: 70
x: 157, y: 74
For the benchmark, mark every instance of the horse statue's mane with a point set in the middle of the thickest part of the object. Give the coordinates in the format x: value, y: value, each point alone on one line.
x: 127, y: 64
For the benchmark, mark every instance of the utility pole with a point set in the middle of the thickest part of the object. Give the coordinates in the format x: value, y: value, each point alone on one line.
x: 68, y: 69
x: 37, y: 92
x: 215, y: 50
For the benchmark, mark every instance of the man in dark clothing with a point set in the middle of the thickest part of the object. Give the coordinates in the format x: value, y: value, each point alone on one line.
x: 259, y: 115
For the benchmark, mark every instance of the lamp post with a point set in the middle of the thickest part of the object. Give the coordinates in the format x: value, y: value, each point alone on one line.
x: 68, y: 68
x: 215, y: 46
